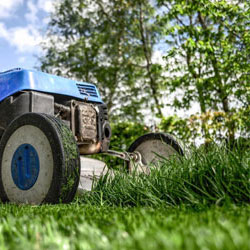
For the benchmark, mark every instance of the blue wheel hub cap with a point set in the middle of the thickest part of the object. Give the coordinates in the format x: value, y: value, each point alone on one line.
x: 25, y: 166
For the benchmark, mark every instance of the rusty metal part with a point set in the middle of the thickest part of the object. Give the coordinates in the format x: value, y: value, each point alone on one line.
x: 62, y: 111
x: 134, y: 160
x: 88, y: 149
x: 134, y: 157
x: 87, y: 123
x: 72, y: 117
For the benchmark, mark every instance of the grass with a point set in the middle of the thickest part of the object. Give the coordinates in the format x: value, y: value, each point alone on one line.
x: 89, y: 227
x: 197, y: 202
x: 218, y: 176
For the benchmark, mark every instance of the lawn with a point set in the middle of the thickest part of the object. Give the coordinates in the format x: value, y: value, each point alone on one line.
x: 90, y: 227
x: 198, y: 202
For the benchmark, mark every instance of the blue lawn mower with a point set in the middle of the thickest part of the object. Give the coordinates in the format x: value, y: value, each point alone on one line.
x: 46, y: 123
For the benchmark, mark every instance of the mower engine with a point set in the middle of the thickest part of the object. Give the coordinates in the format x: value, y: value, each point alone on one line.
x: 89, y: 124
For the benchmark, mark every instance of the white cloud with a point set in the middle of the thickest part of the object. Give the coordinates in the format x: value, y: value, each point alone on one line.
x: 47, y: 5
x: 3, y: 31
x: 158, y: 57
x: 8, y: 7
x: 24, y: 39
x: 31, y: 15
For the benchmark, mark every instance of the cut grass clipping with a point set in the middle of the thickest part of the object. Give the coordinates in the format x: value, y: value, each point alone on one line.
x: 214, y: 176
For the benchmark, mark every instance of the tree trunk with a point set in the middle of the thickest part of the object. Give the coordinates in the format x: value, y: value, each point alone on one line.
x: 148, y: 55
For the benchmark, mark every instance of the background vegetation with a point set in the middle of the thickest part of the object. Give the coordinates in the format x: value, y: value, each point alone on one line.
x: 147, y: 56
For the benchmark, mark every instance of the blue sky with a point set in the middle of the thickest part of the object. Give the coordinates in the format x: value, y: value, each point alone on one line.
x: 22, y: 27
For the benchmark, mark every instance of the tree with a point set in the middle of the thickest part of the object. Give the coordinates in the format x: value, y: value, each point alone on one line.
x: 109, y: 43
x: 112, y: 44
x: 208, y: 57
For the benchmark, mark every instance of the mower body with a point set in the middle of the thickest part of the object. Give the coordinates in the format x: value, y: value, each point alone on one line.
x: 77, y: 104
x: 46, y: 123
x: 16, y: 80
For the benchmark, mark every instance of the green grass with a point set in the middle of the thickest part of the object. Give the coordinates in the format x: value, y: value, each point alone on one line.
x: 218, y: 176
x: 89, y: 227
x: 197, y: 202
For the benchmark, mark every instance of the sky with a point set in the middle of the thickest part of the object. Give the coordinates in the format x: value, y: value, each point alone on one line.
x: 22, y: 28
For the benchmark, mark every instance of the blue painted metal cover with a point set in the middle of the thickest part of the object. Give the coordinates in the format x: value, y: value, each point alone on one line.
x: 25, y: 166
x: 16, y: 80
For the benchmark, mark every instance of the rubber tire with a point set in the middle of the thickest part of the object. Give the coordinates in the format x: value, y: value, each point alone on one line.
x: 163, y: 137
x: 66, y: 158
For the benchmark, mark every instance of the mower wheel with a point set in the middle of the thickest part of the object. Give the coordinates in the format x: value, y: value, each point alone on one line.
x: 154, y: 148
x: 39, y: 161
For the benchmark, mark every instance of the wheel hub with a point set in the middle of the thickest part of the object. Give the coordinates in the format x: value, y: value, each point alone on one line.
x: 25, y: 166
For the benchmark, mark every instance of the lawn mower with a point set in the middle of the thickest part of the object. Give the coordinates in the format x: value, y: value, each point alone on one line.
x: 46, y: 124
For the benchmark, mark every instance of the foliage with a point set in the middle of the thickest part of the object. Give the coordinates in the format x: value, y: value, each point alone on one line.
x: 182, y: 128
x: 205, y: 46
x: 216, y: 123
x: 125, y: 133
x: 109, y: 43
x: 208, y: 60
